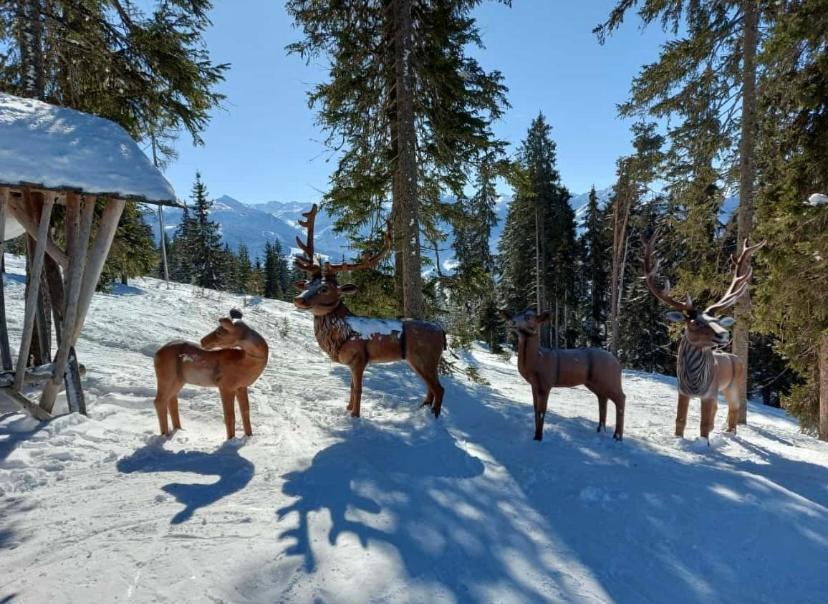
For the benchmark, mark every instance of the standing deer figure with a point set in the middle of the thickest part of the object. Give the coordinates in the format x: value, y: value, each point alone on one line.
x: 239, y: 361
x: 544, y: 369
x: 357, y: 341
x: 703, y: 372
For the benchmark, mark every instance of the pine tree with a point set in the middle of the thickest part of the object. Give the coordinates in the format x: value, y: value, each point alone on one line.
x: 205, y: 242
x: 409, y: 108
x: 538, y: 241
x: 707, y: 79
x: 245, y: 270
x: 594, y: 249
x: 133, y: 252
x: 792, y: 271
x: 142, y: 68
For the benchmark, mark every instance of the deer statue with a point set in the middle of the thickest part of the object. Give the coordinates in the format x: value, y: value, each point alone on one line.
x: 545, y: 369
x: 703, y: 372
x: 357, y: 341
x: 230, y: 358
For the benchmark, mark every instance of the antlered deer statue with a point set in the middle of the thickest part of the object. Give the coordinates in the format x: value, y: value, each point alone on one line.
x: 357, y: 341
x: 230, y: 358
x: 544, y: 369
x: 703, y: 372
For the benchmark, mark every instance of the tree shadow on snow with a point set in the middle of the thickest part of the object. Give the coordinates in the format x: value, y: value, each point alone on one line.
x: 234, y: 473
x: 634, y: 519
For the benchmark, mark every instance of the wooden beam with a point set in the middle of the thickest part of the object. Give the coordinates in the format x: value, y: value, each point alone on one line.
x: 31, y: 297
x: 25, y: 404
x: 78, y: 227
x: 20, y: 213
x: 5, y: 349
x: 97, y: 257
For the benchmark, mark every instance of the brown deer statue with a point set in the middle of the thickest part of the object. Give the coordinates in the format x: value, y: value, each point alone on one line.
x: 230, y: 358
x: 545, y: 369
x: 357, y: 341
x: 703, y: 372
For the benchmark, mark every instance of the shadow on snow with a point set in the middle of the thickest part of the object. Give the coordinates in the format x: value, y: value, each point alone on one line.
x: 638, y: 521
x: 233, y: 471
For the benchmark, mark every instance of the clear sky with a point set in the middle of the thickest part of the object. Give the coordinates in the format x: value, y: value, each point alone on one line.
x: 264, y: 144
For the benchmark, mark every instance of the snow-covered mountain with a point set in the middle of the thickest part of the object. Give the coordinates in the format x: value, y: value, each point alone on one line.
x: 256, y: 223
x: 395, y: 507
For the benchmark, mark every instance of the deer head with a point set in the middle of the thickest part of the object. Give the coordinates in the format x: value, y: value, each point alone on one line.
x: 527, y: 322
x: 320, y: 292
x: 705, y: 328
x: 228, y: 334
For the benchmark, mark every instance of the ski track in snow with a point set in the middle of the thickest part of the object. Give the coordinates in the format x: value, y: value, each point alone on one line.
x: 395, y: 506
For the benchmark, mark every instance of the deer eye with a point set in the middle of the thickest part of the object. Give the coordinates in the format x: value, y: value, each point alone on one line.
x: 323, y: 290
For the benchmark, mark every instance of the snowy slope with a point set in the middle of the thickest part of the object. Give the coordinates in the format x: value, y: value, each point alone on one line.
x: 394, y: 507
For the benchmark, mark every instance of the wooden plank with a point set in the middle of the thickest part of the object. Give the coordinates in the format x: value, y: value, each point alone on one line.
x: 97, y: 256
x: 78, y: 228
x: 20, y: 213
x: 25, y: 404
x: 74, y: 389
x: 31, y: 297
x: 5, y: 349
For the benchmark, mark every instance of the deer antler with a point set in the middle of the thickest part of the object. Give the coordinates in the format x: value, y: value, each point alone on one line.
x: 368, y: 260
x: 742, y: 270
x: 307, y: 262
x: 651, y: 264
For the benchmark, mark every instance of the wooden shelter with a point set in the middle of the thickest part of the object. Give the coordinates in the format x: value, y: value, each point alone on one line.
x: 53, y: 156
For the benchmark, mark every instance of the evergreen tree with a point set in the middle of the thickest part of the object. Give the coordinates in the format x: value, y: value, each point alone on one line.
x: 133, y: 252
x: 792, y: 270
x: 594, y: 249
x: 538, y: 242
x: 409, y: 108
x: 245, y: 271
x: 143, y: 67
x: 205, y: 240
x: 707, y: 78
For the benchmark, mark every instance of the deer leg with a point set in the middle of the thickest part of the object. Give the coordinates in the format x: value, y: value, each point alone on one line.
x: 540, y: 414
x: 161, y: 411
x: 708, y: 416
x: 244, y: 409
x: 228, y: 398
x: 173, y: 407
x: 733, y: 406
x: 434, y: 397
x: 356, y: 386
x: 620, y: 402
x: 602, y: 413
x: 681, y: 414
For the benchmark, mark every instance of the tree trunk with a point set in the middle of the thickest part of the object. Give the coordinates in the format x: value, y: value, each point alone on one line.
x: 823, y: 387
x: 621, y: 215
x: 405, y: 173
x: 746, y: 177
x: 30, y: 44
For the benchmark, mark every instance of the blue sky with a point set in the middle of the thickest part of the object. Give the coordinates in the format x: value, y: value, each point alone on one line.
x: 264, y: 144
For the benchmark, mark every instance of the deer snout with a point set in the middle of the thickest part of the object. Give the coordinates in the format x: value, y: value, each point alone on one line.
x: 301, y: 302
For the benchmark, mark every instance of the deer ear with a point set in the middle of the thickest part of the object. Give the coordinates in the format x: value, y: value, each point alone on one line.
x: 674, y: 315
x: 226, y: 323
x: 726, y: 322
x: 300, y: 285
x: 543, y: 317
x: 504, y: 314
x: 349, y: 289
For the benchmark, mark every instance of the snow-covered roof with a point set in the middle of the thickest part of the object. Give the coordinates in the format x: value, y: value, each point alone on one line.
x: 55, y: 148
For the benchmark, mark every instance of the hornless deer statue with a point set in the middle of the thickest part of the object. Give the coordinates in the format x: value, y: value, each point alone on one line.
x: 357, y: 341
x: 703, y: 372
x: 239, y: 361
x: 545, y: 368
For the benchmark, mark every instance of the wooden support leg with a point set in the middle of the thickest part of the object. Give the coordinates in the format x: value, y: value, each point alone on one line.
x: 5, y: 349
x: 31, y: 296
x: 78, y: 227
x: 40, y: 346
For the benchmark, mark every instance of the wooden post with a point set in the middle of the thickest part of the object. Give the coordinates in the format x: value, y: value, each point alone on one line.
x: 78, y: 228
x: 20, y: 214
x: 31, y: 297
x: 97, y: 257
x: 5, y: 349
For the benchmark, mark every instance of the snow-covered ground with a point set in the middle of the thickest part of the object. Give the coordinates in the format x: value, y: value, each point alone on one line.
x: 395, y: 506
